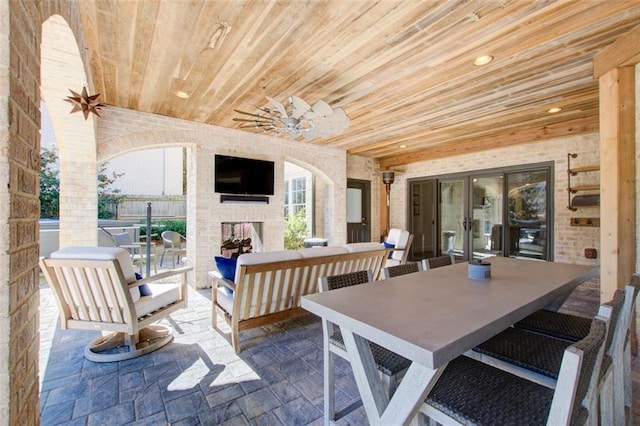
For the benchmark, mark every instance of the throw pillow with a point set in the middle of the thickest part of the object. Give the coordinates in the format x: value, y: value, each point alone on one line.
x: 145, y: 290
x: 388, y: 245
x: 226, y: 266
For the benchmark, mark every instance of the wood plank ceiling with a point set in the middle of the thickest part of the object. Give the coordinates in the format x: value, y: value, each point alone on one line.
x: 402, y: 70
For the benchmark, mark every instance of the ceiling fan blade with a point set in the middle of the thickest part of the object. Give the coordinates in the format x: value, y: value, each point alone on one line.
x: 279, y: 107
x: 321, y: 107
x: 298, y: 106
x: 247, y: 113
x: 246, y: 120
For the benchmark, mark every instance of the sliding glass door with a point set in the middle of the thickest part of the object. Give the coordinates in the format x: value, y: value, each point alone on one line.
x: 499, y: 212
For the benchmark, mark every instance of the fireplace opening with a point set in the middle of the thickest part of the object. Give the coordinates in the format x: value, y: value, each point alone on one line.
x: 241, y: 237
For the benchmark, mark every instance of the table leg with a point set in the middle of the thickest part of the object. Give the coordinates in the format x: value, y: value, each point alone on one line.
x: 405, y: 402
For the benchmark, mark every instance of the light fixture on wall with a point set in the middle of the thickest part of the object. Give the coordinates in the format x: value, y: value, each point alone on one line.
x: 388, y: 178
x: 85, y: 103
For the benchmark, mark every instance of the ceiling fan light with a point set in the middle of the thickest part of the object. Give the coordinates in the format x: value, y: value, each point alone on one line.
x: 482, y: 60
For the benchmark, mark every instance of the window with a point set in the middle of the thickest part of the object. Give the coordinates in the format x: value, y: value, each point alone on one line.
x: 295, y: 195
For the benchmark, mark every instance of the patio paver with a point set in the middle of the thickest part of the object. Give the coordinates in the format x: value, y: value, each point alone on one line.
x: 199, y: 380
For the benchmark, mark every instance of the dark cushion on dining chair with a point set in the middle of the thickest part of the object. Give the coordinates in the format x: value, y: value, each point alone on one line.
x: 556, y: 324
x: 475, y: 393
x: 541, y: 354
x: 388, y: 362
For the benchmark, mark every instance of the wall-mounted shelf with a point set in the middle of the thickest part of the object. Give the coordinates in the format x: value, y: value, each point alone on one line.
x: 585, y: 221
x: 581, y: 201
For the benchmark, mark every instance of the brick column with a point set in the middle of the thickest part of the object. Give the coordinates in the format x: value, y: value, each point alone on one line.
x: 19, y: 211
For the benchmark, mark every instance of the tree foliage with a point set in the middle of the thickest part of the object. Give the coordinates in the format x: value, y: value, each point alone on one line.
x: 107, y: 195
x: 50, y: 187
x: 295, y: 230
x: 49, y: 183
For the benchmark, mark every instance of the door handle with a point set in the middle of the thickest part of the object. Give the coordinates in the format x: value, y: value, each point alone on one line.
x: 464, y: 224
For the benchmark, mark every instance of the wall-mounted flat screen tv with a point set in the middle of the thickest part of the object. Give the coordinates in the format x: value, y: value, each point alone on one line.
x: 235, y: 175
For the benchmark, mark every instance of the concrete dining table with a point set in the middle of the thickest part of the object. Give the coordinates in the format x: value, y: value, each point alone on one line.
x: 434, y: 316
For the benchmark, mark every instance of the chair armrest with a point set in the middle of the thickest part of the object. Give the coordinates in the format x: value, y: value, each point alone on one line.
x: 161, y: 275
x: 220, y: 281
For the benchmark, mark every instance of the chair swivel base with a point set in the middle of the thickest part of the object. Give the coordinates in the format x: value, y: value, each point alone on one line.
x: 113, y: 347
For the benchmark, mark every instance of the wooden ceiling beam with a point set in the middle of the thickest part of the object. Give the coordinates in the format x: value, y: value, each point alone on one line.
x: 579, y: 126
x: 625, y: 51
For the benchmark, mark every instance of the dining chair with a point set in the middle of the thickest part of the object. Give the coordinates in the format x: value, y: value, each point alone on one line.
x: 538, y: 357
x: 472, y: 392
x: 397, y: 270
x: 573, y: 328
x: 391, y: 366
x: 172, y: 244
x: 135, y: 249
x: 437, y: 262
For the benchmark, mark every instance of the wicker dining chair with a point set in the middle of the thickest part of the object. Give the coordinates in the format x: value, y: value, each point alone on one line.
x: 437, y: 262
x: 472, y: 392
x: 391, y: 366
x: 538, y: 357
x: 397, y: 270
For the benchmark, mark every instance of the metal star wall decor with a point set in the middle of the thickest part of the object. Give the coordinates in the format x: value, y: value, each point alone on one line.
x: 85, y: 103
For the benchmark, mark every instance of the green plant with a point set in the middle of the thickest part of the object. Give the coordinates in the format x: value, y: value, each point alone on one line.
x: 49, y: 183
x: 295, y: 230
x: 107, y: 195
x: 177, y: 225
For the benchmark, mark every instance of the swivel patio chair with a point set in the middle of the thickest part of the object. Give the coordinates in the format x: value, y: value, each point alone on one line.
x: 172, y: 244
x: 397, y: 270
x: 437, y: 262
x: 471, y: 392
x: 96, y: 289
x: 391, y: 366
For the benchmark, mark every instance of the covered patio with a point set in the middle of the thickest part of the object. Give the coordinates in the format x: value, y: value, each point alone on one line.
x: 418, y: 106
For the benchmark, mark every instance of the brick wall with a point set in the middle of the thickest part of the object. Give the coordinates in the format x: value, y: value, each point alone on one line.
x: 122, y: 130
x: 19, y: 213
x: 570, y: 241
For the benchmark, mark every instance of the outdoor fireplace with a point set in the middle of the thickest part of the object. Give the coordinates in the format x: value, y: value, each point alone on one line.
x: 241, y: 237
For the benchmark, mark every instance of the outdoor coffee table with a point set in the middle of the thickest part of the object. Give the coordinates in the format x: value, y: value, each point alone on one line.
x: 432, y: 317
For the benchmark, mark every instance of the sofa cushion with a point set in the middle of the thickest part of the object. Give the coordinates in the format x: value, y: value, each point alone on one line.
x: 267, y: 257
x: 322, y: 251
x: 226, y: 266
x: 103, y: 253
x: 161, y: 295
x: 362, y: 247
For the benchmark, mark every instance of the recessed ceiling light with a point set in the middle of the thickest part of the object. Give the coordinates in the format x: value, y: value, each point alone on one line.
x: 483, y: 60
x: 403, y: 146
x: 554, y: 110
x: 181, y: 94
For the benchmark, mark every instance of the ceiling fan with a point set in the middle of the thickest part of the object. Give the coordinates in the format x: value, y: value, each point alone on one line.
x: 297, y: 118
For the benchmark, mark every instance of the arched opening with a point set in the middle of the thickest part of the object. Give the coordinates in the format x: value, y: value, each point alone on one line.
x: 74, y: 137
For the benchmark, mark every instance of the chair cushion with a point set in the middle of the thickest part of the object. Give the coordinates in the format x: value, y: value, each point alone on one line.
x: 475, y: 393
x: 103, y: 253
x: 224, y: 296
x: 226, y: 266
x: 403, y: 239
x: 535, y: 352
x: 557, y: 324
x: 161, y: 295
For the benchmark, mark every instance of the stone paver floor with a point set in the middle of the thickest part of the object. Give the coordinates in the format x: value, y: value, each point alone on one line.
x: 198, y: 378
